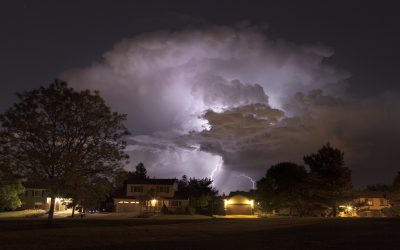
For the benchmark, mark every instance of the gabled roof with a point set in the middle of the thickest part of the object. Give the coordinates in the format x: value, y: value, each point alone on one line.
x: 153, y: 181
x: 34, y: 185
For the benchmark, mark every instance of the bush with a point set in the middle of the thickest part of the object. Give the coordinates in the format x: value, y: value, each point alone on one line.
x: 190, y: 210
x: 164, y: 209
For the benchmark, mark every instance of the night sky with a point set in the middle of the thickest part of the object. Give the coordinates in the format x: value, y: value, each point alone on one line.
x: 222, y: 89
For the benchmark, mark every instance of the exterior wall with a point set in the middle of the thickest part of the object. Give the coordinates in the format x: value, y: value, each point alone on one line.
x: 34, y: 198
x: 150, y: 189
x: 373, y: 203
x: 135, y: 206
x: 239, y: 204
x: 38, y: 198
x: 373, y: 206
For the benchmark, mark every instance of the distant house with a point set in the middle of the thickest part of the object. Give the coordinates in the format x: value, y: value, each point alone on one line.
x: 366, y: 204
x: 36, y: 196
x: 151, y: 195
x: 239, y: 203
x: 370, y: 203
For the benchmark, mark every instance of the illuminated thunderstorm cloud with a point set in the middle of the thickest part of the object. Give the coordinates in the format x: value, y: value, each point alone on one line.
x: 227, y: 102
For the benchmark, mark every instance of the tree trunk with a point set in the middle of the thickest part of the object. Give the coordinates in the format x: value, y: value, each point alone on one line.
x: 334, y: 212
x: 73, y: 210
x: 51, y: 210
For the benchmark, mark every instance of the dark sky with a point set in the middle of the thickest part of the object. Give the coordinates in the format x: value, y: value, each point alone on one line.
x: 41, y: 39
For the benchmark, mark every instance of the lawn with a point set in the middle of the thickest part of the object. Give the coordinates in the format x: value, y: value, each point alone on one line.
x: 22, y: 213
x: 202, y: 233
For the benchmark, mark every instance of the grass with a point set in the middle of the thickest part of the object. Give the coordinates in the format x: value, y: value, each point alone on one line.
x: 22, y: 213
x: 192, y: 232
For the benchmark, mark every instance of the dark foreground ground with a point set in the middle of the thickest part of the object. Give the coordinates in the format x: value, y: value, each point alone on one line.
x: 269, y: 233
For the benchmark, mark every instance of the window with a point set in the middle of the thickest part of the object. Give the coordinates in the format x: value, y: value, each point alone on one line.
x: 369, y: 202
x: 175, y: 203
x: 36, y: 193
x: 43, y: 193
x: 382, y: 202
x: 137, y: 189
x: 162, y: 189
x: 26, y: 193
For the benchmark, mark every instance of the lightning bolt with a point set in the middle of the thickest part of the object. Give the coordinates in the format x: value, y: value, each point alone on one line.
x: 253, y: 182
x: 216, y: 169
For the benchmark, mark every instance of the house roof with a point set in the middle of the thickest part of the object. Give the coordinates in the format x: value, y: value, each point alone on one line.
x: 153, y: 181
x: 33, y: 185
x: 247, y: 194
x: 177, y: 196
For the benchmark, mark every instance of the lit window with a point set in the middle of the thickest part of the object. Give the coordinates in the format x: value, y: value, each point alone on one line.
x: 369, y: 202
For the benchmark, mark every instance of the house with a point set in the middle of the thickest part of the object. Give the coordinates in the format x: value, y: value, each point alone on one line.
x: 366, y: 204
x: 36, y: 196
x: 239, y: 203
x: 371, y: 203
x: 151, y: 195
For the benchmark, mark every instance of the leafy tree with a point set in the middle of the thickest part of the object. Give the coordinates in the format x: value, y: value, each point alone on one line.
x: 122, y: 177
x: 88, y: 193
x: 10, y: 189
x: 140, y: 172
x: 330, y: 178
x: 54, y: 134
x: 284, y: 186
x: 201, y: 193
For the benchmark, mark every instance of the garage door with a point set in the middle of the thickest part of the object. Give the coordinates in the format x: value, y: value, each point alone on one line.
x: 128, y: 207
x: 239, y: 209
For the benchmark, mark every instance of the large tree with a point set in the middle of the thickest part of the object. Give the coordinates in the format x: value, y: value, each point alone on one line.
x: 140, y: 172
x: 88, y: 192
x: 284, y: 187
x: 331, y: 179
x: 201, y: 193
x: 122, y: 177
x: 55, y: 134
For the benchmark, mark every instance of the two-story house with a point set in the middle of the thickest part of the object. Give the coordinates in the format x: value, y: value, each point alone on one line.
x: 36, y: 196
x: 366, y: 204
x: 371, y: 203
x: 151, y: 195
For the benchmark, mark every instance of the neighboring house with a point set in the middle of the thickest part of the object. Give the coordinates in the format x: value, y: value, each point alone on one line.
x: 239, y: 204
x: 36, y: 196
x: 370, y: 203
x: 151, y: 195
x: 366, y: 204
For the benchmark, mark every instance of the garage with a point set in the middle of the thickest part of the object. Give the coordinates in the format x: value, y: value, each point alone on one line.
x: 239, y: 209
x: 127, y: 207
x: 238, y: 205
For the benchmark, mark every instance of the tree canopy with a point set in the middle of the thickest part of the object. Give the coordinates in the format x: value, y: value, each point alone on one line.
x: 201, y: 193
x: 284, y: 187
x: 55, y: 134
x: 10, y: 189
x: 330, y: 178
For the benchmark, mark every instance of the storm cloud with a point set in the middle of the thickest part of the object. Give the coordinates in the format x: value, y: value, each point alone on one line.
x: 227, y: 102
